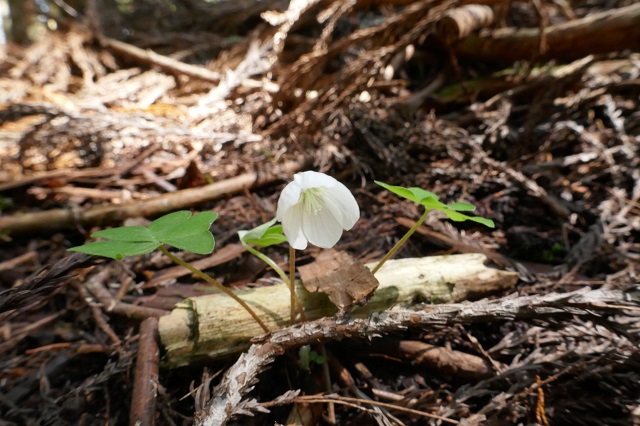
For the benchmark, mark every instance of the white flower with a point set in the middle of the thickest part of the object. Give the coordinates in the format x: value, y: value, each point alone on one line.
x: 316, y: 208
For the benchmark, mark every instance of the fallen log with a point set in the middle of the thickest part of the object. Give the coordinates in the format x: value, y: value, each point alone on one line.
x: 214, y: 326
x: 609, y: 31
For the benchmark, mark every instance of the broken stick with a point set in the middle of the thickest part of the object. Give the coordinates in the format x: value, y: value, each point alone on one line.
x: 57, y: 219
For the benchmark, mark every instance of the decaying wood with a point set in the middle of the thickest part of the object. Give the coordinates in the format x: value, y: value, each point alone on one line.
x: 66, y: 218
x: 462, y: 21
x: 242, y: 376
x: 215, y: 326
x: 608, y: 31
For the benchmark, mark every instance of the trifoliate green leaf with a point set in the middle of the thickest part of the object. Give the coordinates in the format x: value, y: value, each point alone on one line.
x: 179, y: 229
x: 125, y: 241
x: 430, y: 201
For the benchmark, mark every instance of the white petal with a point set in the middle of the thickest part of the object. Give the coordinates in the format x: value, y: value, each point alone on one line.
x: 332, y: 209
x: 322, y: 229
x: 292, y: 227
x: 289, y: 196
x: 313, y: 179
x: 342, y: 204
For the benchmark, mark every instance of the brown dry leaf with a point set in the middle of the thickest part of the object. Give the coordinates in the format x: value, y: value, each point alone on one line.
x: 345, y: 280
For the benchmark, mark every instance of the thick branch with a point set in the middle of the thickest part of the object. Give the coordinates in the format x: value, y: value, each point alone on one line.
x: 609, y: 31
x: 67, y: 218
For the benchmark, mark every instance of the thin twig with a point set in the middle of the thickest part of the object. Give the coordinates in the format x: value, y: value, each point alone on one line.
x: 345, y: 399
x: 145, y: 385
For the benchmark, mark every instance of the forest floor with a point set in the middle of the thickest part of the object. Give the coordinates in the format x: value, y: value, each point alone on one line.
x: 216, y: 106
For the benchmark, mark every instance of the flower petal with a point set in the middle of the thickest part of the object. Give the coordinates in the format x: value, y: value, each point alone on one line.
x: 315, y: 208
x: 313, y: 179
x: 342, y: 204
x: 322, y: 229
x: 292, y: 222
x: 289, y: 196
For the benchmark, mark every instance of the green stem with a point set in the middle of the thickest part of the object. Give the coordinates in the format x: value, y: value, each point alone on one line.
x: 403, y: 240
x: 216, y: 284
x: 292, y: 282
x: 283, y: 276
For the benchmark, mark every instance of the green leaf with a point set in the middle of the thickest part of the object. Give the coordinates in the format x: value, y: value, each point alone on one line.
x: 432, y: 204
x: 264, y: 235
x: 167, y: 222
x: 430, y: 201
x: 125, y: 233
x: 417, y: 195
x: 454, y: 215
x: 257, y: 232
x: 461, y: 207
x: 273, y: 236
x: 483, y: 221
x: 186, y: 232
x: 422, y: 195
x: 117, y: 249
x: 179, y: 229
x: 399, y: 191
x: 459, y: 217
x: 317, y: 358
